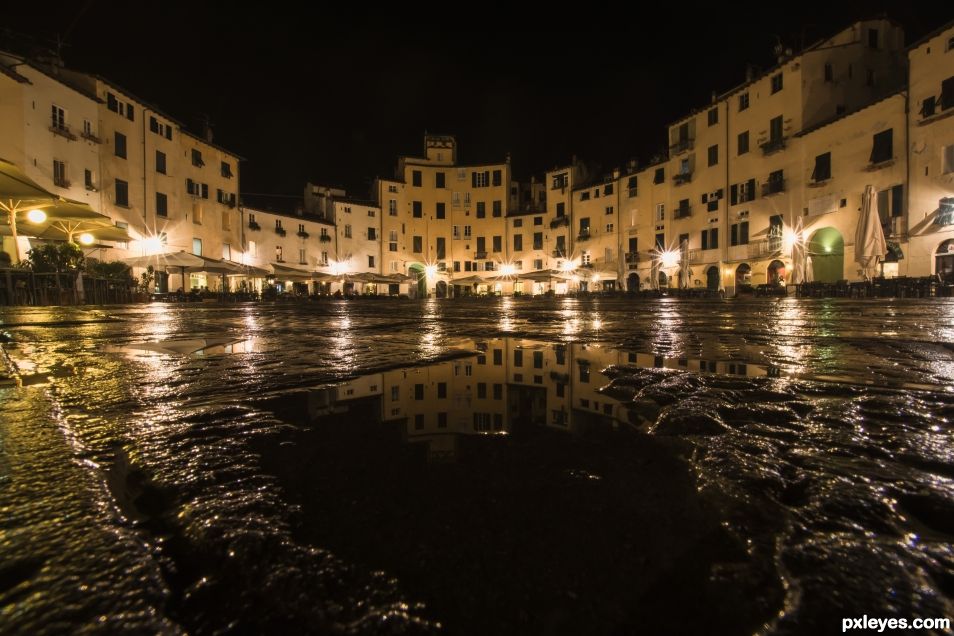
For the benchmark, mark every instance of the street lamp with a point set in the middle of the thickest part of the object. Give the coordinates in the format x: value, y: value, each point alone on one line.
x: 36, y: 216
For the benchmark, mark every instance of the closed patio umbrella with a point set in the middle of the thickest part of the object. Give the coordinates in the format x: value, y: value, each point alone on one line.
x: 870, y: 246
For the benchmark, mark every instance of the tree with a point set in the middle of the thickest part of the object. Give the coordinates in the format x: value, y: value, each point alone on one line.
x: 55, y: 257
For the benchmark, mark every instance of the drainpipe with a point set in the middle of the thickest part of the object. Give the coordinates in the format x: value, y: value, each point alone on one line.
x: 907, y: 162
x: 725, y: 200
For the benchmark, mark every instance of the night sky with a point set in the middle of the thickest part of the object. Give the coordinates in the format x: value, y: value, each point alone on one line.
x: 304, y: 94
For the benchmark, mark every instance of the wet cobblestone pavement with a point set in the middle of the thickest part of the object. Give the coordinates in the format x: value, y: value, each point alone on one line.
x: 737, y: 466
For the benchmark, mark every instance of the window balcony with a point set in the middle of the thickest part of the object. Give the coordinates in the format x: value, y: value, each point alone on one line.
x: 88, y: 136
x: 681, y: 146
x: 559, y: 253
x: 773, y: 186
x: 280, y: 231
x: 63, y: 131
x: 560, y: 221
x: 303, y: 234
x: 584, y: 234
x: 772, y: 145
x: 683, y: 212
x: 252, y: 225
x: 480, y: 255
x: 682, y: 178
x: 632, y: 257
x: 325, y: 238
x: 765, y: 247
x: 61, y: 183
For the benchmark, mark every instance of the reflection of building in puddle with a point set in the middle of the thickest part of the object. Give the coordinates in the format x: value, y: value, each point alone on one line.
x: 199, y: 347
x: 508, y: 384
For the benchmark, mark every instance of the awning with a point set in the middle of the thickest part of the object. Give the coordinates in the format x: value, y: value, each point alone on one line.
x: 162, y: 261
x: 287, y: 272
x: 470, y: 280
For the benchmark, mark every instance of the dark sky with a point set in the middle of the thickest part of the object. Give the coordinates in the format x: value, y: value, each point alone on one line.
x: 307, y: 94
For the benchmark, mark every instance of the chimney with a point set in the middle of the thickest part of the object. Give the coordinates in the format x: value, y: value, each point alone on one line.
x: 714, y: 97
x: 749, y: 72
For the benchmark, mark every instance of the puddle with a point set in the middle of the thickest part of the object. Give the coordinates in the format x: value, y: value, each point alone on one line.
x: 197, y: 347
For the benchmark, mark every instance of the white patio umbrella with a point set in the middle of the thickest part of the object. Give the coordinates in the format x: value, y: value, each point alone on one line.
x: 180, y: 260
x: 870, y: 246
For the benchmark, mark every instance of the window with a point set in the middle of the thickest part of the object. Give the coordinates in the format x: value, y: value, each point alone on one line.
x: 455, y: 231
x: 609, y: 210
x: 441, y: 247
x: 417, y: 209
x: 439, y: 179
x: 890, y: 204
x: 518, y: 223
x: 197, y: 158
x: 226, y: 170
x: 776, y: 83
x: 370, y: 261
x: 743, y: 101
x: 739, y: 233
x: 609, y: 228
x: 467, y: 199
x: 710, y: 239
x: 561, y: 209
x: 713, y: 116
x: 829, y: 73
x: 775, y: 129
x: 498, y: 209
x: 59, y: 174
x: 59, y: 118
x: 632, y: 186
x: 872, y: 38
x: 279, y: 255
x: 480, y: 179
x: 497, y: 243
x: 518, y: 242
x: 743, y: 142
x: 418, y: 244
x: 372, y: 234
x: 466, y: 231
x: 441, y: 211
x: 88, y: 179
x: 205, y: 190
x: 660, y: 242
x: 347, y: 231
x: 660, y: 211
x: 498, y: 177
x: 119, y: 147
x: 371, y: 212
x: 122, y: 193
x: 160, y: 162
x: 481, y: 210
x: 822, y: 171
x: 301, y: 256
x: 607, y: 189
x: 392, y: 207
x: 455, y: 199
x: 538, y: 263
x: 416, y: 178
x: 659, y: 176
x: 197, y: 247
x: 560, y: 181
x: 882, y: 148
x: 162, y: 204
x: 197, y: 214
x: 928, y: 106
x: 713, y: 155
x: 538, y: 240
x: 947, y: 93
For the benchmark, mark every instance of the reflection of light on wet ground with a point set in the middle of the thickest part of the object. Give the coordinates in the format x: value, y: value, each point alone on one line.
x: 432, y: 332
x: 506, y: 314
x: 789, y: 324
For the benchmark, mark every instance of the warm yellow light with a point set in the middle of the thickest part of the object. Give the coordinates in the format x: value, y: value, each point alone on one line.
x: 36, y: 216
x: 430, y: 271
x: 335, y: 267
x: 568, y: 265
x: 791, y: 238
x: 153, y: 244
x: 669, y: 258
x: 575, y: 278
x: 507, y: 269
x: 596, y: 278
x: 86, y: 238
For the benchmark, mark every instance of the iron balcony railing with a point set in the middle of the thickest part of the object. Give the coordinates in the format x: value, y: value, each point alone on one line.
x: 773, y: 145
x: 773, y: 186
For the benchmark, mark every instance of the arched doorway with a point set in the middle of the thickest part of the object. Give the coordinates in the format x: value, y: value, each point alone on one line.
x: 776, y: 273
x: 827, y: 250
x: 632, y: 282
x: 441, y: 290
x: 712, y: 278
x: 663, y: 280
x: 416, y: 270
x: 743, y: 278
x: 944, y: 260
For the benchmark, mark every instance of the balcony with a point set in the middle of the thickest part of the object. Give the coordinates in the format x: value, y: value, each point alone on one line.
x: 765, y: 247
x: 772, y: 145
x: 584, y: 234
x: 773, y: 186
x: 480, y: 255
x: 325, y: 238
x: 303, y: 234
x: 280, y: 231
x: 681, y: 146
x: 682, y: 178
x: 559, y: 253
x: 88, y: 136
x: 587, y: 265
x: 559, y: 221
x: 632, y: 257
x: 61, y: 183
x: 683, y: 212
x: 252, y: 225
x: 63, y: 131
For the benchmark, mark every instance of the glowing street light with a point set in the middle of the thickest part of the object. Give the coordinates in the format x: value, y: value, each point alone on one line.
x: 568, y: 265
x: 507, y: 269
x: 669, y: 258
x: 152, y: 244
x: 791, y: 238
x: 36, y: 216
x: 430, y: 271
x: 86, y: 238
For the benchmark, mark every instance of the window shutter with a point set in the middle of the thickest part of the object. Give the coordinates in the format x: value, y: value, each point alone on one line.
x: 473, y: 179
x: 130, y: 113
x: 897, y: 200
x: 189, y: 186
x: 168, y: 132
x: 744, y: 232
x: 750, y: 190
x: 705, y: 197
x: 734, y: 194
